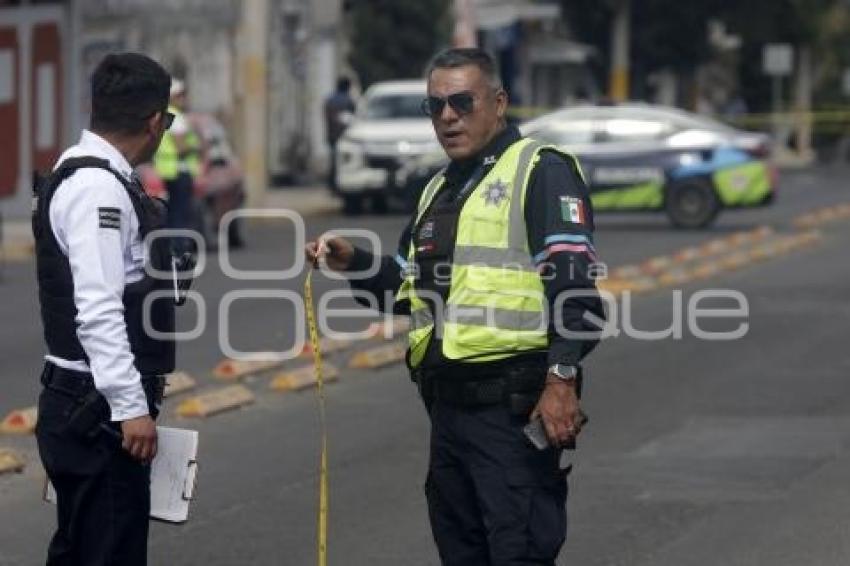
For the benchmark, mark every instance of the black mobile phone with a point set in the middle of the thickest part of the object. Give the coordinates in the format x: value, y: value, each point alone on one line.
x: 536, y: 432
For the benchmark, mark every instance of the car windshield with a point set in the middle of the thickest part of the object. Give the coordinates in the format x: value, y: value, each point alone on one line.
x: 394, y: 106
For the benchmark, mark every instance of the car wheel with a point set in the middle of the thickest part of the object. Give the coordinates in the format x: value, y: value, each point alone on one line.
x: 352, y: 204
x: 692, y: 203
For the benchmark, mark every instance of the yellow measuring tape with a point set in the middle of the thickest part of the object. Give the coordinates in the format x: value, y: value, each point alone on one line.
x: 322, y: 532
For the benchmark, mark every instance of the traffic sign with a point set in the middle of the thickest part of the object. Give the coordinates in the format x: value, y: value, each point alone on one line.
x: 778, y: 59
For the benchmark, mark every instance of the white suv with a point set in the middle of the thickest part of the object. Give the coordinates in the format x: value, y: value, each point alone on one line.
x: 389, y: 131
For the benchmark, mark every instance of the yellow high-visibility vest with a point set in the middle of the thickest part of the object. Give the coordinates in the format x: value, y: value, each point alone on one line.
x: 496, y: 305
x: 167, y: 160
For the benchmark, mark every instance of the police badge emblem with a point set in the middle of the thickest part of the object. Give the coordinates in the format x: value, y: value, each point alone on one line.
x: 495, y: 192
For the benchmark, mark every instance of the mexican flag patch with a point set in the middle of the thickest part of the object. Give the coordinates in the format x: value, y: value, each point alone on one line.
x: 572, y: 210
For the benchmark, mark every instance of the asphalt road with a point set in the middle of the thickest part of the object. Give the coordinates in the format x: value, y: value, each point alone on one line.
x: 698, y: 452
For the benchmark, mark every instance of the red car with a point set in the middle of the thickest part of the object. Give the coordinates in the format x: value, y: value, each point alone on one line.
x: 219, y: 186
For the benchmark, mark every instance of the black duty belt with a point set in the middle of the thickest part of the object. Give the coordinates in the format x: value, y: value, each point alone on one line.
x: 517, y: 387
x: 79, y: 383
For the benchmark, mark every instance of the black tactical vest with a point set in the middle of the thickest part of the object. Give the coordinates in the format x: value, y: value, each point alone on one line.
x: 153, y: 356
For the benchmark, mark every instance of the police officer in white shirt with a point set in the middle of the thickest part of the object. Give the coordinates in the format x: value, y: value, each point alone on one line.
x: 103, y: 373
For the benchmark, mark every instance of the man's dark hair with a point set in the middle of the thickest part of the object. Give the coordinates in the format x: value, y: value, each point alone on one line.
x: 343, y: 84
x: 462, y: 56
x: 126, y: 90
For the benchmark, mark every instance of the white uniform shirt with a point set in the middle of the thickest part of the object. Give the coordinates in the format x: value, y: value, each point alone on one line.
x: 104, y: 257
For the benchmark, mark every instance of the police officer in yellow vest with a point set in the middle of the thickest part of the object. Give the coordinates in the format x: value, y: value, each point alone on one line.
x: 493, y: 271
x: 177, y: 161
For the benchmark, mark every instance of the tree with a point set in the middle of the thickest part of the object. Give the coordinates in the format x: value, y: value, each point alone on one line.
x: 664, y: 35
x: 395, y: 40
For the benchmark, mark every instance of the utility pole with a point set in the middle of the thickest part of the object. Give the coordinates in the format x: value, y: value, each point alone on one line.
x: 464, y: 29
x: 803, y: 103
x: 618, y: 88
x: 252, y: 105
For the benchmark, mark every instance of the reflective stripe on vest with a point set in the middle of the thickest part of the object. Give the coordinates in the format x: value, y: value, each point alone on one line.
x: 496, y: 303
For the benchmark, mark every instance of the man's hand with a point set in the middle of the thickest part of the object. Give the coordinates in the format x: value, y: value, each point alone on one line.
x: 337, y: 252
x: 559, y: 409
x: 139, y: 438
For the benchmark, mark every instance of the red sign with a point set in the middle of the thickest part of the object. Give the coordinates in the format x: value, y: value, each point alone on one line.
x: 10, y: 134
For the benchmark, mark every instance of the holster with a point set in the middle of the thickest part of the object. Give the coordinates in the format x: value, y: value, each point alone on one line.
x: 90, y: 415
x: 516, y: 387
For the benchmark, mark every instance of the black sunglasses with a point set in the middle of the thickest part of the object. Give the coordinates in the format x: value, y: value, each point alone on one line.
x: 168, y: 119
x: 461, y: 102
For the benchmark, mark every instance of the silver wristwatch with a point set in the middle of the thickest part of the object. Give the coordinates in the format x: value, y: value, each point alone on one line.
x: 565, y: 373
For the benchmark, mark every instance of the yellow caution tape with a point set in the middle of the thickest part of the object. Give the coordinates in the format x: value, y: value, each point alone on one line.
x: 322, y: 533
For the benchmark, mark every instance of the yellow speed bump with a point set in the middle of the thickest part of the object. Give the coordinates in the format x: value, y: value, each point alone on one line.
x: 626, y: 272
x: 714, y: 247
x: 326, y: 346
x: 16, y: 251
x: 806, y: 220
x: 643, y: 284
x: 615, y: 286
x: 749, y: 237
x: 234, y: 369
x: 655, y: 265
x: 20, y: 421
x: 388, y: 330
x: 178, y: 382
x: 808, y: 238
x: 823, y: 216
x: 379, y: 357
x: 735, y: 260
x: 217, y: 401
x: 686, y: 255
x: 764, y: 251
x: 10, y: 461
x: 706, y: 270
x: 674, y: 277
x: 303, y: 378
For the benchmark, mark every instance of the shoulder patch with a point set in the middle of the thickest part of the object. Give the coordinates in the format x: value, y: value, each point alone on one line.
x: 572, y: 210
x: 109, y: 217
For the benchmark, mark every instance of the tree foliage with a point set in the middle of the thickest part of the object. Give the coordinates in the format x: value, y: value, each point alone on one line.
x: 395, y: 40
x: 674, y: 35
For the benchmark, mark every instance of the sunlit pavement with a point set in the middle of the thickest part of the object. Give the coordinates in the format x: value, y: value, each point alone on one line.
x: 698, y: 452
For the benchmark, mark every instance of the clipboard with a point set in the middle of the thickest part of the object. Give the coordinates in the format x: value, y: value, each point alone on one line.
x: 173, y: 475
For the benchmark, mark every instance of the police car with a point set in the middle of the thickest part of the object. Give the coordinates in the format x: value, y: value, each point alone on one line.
x: 642, y: 157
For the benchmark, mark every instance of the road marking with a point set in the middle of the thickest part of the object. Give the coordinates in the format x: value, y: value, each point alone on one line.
x: 216, y: 401
x: 302, y: 378
x: 10, y: 461
x: 20, y: 421
x: 178, y: 382
x: 379, y: 357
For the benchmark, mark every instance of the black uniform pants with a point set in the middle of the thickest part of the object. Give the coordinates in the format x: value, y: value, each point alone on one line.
x: 493, y: 499
x: 103, y: 494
